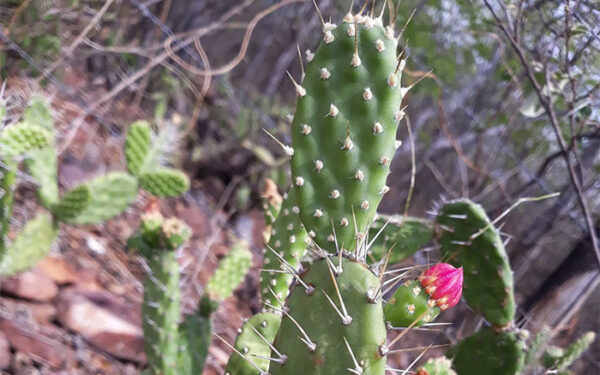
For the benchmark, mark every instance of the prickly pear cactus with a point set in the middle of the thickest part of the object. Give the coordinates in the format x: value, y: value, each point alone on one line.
x: 110, y: 195
x: 252, y: 346
x: 231, y: 272
x: 194, y: 339
x: 489, y: 352
x: 22, y: 138
x: 559, y: 359
x: 42, y: 163
x: 286, y: 247
x: 272, y: 201
x: 137, y: 146
x: 404, y: 235
x: 488, y: 276
x: 31, y: 245
x: 437, y: 366
x: 165, y: 182
x: 72, y: 203
x: 333, y: 323
x: 344, y: 130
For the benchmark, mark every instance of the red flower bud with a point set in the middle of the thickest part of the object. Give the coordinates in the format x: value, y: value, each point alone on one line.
x: 443, y: 283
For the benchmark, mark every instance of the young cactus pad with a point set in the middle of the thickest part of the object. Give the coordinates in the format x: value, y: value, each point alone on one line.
x: 344, y: 130
x: 18, y: 139
x: 72, y: 203
x: 137, y: 145
x: 331, y: 325
x: 437, y: 366
x: 165, y: 182
x: 31, y: 245
x: 231, y: 272
x: 282, y: 256
x: 110, y: 195
x: 253, y: 343
x: 489, y: 352
x: 488, y: 276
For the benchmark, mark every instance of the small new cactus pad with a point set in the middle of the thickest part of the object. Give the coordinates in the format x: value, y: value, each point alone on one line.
x: 231, y: 272
x: 165, y: 182
x: 42, y: 164
x: 137, y: 145
x: 407, y: 235
x: 111, y: 194
x: 488, y: 285
x: 161, y: 312
x: 72, y: 203
x: 331, y: 324
x: 31, y: 245
x: 536, y: 345
x: 21, y: 138
x: 561, y: 359
x: 489, y: 352
x: 194, y: 339
x: 284, y: 251
x: 437, y: 366
x: 410, y: 306
x: 8, y: 179
x: 344, y: 130
x: 252, y: 345
x: 418, y: 302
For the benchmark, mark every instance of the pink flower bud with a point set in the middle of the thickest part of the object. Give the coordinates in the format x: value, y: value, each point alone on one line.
x: 443, y: 283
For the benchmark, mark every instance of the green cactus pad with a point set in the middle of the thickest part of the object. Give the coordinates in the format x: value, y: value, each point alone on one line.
x: 42, y: 164
x: 488, y: 352
x: 111, y: 194
x: 407, y: 235
x: 72, y: 203
x: 289, y: 241
x: 160, y: 311
x: 365, y: 333
x: 165, y: 182
x: 563, y: 358
x: 194, y: 339
x: 344, y: 130
x: 488, y: 280
x: 252, y: 345
x: 409, y: 303
x: 137, y: 145
x: 437, y: 366
x: 31, y: 245
x: 231, y: 272
x: 8, y: 179
x: 23, y: 137
x: 536, y: 345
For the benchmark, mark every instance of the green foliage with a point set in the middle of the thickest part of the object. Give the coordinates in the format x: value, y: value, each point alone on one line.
x: 164, y: 182
x: 253, y: 344
x: 110, y: 194
x: 343, y: 132
x: 72, y: 203
x: 31, y: 245
x: 469, y: 240
x: 194, y: 339
x: 231, y: 272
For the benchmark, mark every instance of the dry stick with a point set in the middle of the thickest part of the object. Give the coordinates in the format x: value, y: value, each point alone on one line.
x: 548, y: 108
x: 197, y: 33
x: 77, y: 40
x: 413, y: 167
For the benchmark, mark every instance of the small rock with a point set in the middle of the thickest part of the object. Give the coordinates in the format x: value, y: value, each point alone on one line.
x: 58, y: 270
x: 34, y: 342
x: 32, y: 285
x: 40, y: 313
x: 105, y: 321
